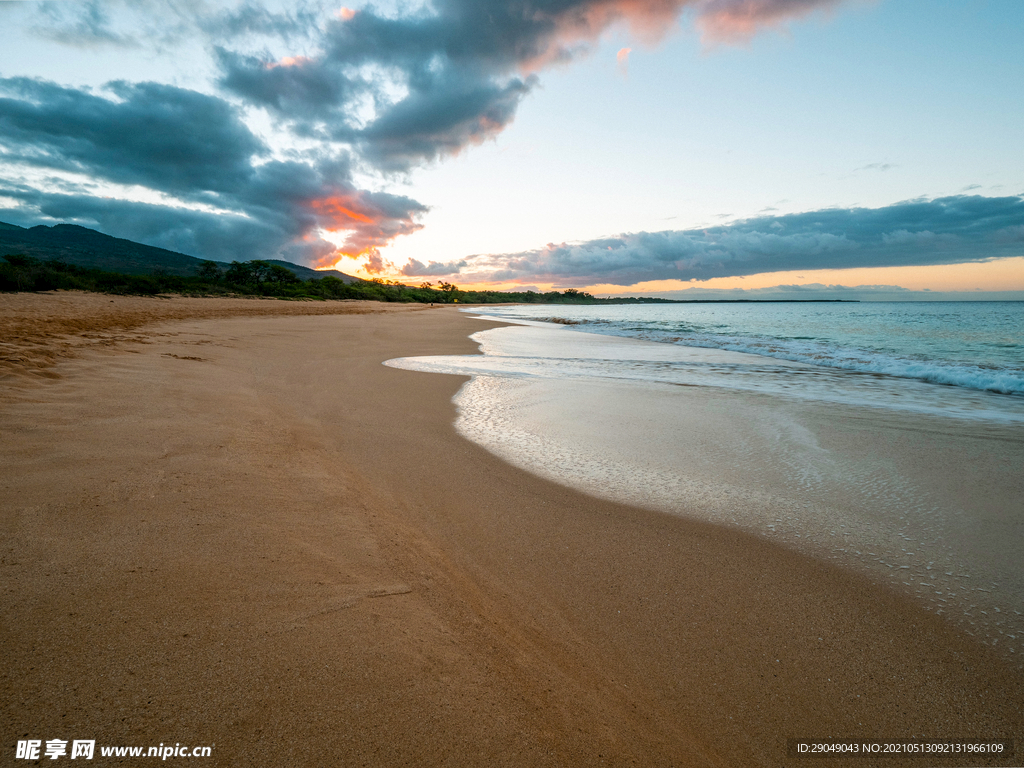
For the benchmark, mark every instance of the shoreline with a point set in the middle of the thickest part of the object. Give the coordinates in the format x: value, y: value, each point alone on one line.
x: 249, y: 532
x: 922, y: 503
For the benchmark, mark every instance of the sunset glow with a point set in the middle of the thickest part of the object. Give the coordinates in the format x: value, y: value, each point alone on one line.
x: 340, y: 213
x: 614, y: 146
x: 997, y: 275
x: 289, y: 61
x: 739, y: 22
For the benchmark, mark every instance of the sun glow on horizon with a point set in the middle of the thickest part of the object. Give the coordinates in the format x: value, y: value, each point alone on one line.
x: 996, y: 275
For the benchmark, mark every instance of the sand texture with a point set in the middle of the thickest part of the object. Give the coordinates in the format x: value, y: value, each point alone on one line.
x: 225, y: 523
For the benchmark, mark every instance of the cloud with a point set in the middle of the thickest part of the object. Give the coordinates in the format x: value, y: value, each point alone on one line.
x: 81, y: 25
x: 303, y: 89
x: 350, y: 92
x: 96, y: 24
x: 440, y: 121
x: 372, y: 219
x: 147, y: 133
x: 878, y: 167
x: 736, y: 21
x: 299, y: 22
x: 622, y: 57
x: 413, y: 88
x: 416, y: 268
x: 914, y: 233
x: 227, y: 197
x: 222, y: 236
x: 164, y: 24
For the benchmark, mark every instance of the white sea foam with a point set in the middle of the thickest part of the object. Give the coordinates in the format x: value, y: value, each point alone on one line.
x: 977, y: 346
x: 986, y: 379
x: 545, y: 350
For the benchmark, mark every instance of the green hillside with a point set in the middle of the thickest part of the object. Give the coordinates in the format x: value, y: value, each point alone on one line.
x: 88, y: 248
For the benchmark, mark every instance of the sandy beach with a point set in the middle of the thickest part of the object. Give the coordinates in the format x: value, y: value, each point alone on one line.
x: 226, y: 523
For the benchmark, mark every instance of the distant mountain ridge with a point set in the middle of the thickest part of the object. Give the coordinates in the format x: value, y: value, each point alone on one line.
x: 86, y: 247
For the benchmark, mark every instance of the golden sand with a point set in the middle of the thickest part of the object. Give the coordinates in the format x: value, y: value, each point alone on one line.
x: 225, y: 523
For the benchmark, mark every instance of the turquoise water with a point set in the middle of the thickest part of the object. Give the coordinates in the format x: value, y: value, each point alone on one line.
x: 971, y: 345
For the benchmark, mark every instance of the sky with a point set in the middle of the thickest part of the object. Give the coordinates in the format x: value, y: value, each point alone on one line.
x: 765, y: 148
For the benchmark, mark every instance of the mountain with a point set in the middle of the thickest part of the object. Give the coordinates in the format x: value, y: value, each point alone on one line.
x: 88, y: 248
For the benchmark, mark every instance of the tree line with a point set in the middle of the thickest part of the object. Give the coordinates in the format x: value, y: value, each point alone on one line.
x: 261, y: 278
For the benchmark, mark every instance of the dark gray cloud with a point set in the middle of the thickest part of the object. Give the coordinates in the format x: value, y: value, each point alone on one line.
x: 298, y: 22
x: 452, y: 74
x: 303, y: 89
x: 440, y: 121
x: 447, y: 104
x: 416, y: 268
x: 220, y: 236
x: 151, y: 134
x: 195, y: 149
x: 914, y: 233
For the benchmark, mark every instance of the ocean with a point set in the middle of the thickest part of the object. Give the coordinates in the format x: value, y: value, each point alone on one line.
x: 973, y: 346
x: 887, y: 438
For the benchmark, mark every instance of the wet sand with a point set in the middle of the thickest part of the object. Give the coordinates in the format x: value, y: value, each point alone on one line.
x: 926, y: 503
x: 231, y: 525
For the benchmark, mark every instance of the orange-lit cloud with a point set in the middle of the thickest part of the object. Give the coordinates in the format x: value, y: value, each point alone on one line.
x: 573, y: 29
x: 363, y: 223
x: 736, y: 21
x: 649, y: 21
x: 623, y: 58
x: 346, y: 14
x: 289, y: 61
x: 337, y: 209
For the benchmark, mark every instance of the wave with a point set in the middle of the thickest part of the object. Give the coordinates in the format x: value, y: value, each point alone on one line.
x: 1001, y: 380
